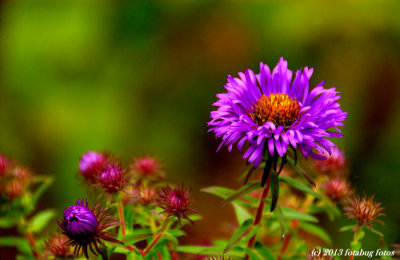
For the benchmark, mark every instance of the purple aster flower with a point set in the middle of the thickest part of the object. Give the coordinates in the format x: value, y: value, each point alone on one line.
x: 91, y: 164
x: 272, y: 113
x: 85, y: 228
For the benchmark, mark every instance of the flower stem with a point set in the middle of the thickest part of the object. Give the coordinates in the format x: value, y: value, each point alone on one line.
x: 152, y: 244
x: 355, y: 240
x: 32, y: 243
x: 164, y: 227
x: 121, y: 217
x: 122, y: 220
x: 260, y: 210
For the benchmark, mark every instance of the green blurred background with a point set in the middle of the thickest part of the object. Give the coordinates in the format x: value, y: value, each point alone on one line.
x: 139, y: 78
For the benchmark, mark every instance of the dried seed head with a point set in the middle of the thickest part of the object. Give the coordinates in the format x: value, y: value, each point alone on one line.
x: 337, y: 189
x: 57, y: 244
x: 364, y: 210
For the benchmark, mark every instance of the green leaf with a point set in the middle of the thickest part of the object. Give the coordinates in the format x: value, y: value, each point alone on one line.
x: 264, y: 251
x: 356, y: 246
x: 241, y: 213
x: 200, y: 250
x: 224, y: 193
x: 177, y: 232
x: 281, y: 218
x: 195, y: 217
x: 136, y: 237
x: 253, y: 255
x: 294, y: 214
x: 377, y: 232
x: 298, y: 185
x: 346, y: 228
x: 165, y: 255
x: 316, y: 231
x: 242, y: 231
x: 20, y: 243
x: 8, y: 222
x: 128, y: 215
x: 39, y: 221
x: 246, y: 189
x: 157, y: 247
x: 171, y: 238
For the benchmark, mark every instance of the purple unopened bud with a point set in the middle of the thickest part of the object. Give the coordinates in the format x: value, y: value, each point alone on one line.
x: 79, y: 221
x: 91, y: 165
x: 85, y: 228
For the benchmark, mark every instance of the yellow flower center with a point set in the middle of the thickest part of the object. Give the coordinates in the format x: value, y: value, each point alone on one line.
x: 279, y: 109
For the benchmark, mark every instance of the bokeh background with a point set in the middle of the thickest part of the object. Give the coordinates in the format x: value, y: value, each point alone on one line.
x: 139, y: 78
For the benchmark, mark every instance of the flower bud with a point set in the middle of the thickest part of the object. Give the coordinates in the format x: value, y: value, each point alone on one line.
x: 85, y: 229
x: 337, y: 189
x: 333, y: 165
x: 364, y: 210
x: 147, y: 167
x: 175, y: 202
x: 112, y: 179
x: 91, y: 164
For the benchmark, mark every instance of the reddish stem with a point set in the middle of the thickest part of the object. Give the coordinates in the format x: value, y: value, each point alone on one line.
x: 151, y: 245
x: 260, y: 210
x: 174, y: 256
x: 351, y: 257
x: 122, y: 220
x: 32, y: 243
x: 159, y: 255
x: 121, y: 217
x: 286, y: 243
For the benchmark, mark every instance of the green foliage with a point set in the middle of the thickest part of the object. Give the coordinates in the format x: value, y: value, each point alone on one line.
x: 40, y: 220
x: 298, y: 185
x: 244, y: 229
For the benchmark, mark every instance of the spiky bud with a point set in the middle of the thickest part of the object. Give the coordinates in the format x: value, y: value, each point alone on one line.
x: 175, y: 202
x: 364, y: 210
x: 337, y: 189
x: 112, y: 178
x: 147, y: 167
x: 144, y: 195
